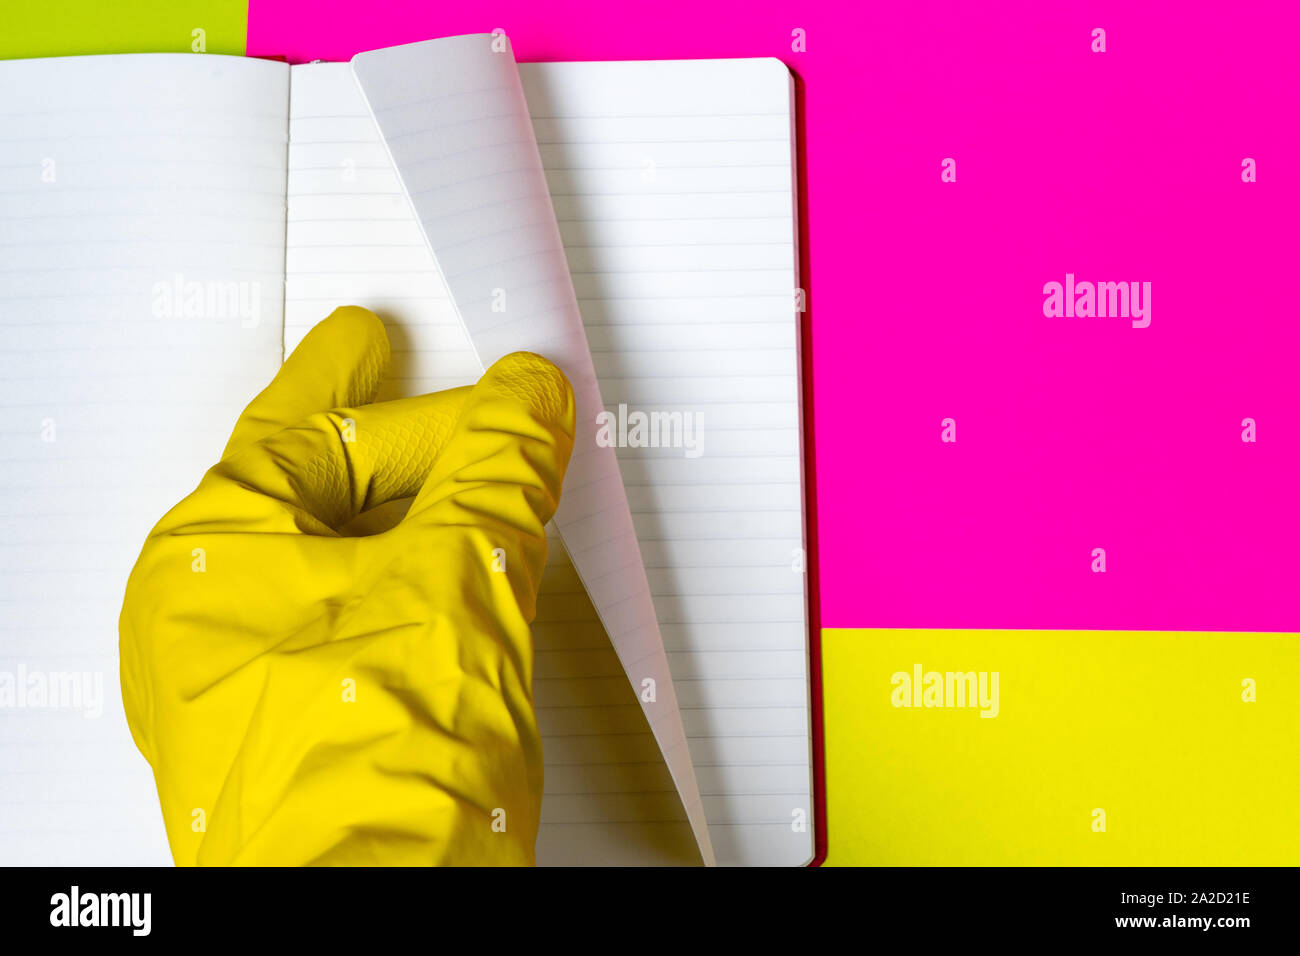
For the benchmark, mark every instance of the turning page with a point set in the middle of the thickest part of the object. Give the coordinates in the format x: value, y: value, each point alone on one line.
x: 673, y: 183
x: 453, y: 118
x: 142, y: 229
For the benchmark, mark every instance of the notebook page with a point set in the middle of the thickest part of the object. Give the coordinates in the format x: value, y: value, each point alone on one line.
x: 353, y: 237
x: 673, y: 186
x: 141, y: 271
x: 453, y: 118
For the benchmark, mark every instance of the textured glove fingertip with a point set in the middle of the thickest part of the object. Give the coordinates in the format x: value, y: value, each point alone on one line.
x: 538, y: 384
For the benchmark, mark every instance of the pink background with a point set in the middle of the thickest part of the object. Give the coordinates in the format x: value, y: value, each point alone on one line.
x: 925, y: 297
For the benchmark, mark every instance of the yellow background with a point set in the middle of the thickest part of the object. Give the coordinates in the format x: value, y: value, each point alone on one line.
x: 1148, y: 726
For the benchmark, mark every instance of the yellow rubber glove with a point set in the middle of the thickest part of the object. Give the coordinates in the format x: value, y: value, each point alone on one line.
x: 307, y: 696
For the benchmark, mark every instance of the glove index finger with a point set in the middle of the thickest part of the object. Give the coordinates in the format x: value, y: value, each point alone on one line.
x: 338, y: 364
x: 503, y: 466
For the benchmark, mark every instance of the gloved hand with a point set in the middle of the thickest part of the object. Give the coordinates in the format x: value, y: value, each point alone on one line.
x: 308, y: 696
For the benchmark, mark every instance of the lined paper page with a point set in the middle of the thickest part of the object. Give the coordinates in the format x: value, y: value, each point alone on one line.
x: 453, y: 118
x: 673, y: 186
x: 353, y: 238
x: 141, y: 270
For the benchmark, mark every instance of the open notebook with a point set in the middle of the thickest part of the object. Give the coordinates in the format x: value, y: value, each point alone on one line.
x: 171, y: 225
